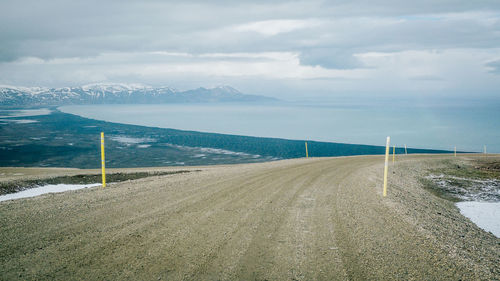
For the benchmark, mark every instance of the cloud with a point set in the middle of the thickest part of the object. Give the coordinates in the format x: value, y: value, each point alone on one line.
x: 426, y: 78
x: 274, y: 27
x: 375, y: 41
x: 330, y: 58
x: 155, y: 66
x: 493, y: 66
x: 89, y: 28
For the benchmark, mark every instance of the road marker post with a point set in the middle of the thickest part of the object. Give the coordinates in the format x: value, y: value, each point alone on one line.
x: 103, y: 163
x: 393, y: 154
x: 406, y: 151
x: 455, y: 151
x: 386, y: 167
x: 485, y: 149
x: 307, y: 153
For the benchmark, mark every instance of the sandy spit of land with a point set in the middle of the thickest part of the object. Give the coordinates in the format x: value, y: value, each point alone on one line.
x: 304, y: 219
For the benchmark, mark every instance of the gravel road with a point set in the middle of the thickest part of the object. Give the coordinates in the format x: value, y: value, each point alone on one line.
x: 304, y: 219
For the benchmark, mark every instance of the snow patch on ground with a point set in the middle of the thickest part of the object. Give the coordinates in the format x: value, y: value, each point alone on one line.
x: 486, y: 215
x: 203, y: 151
x: 51, y: 188
x: 130, y: 140
x: 222, y: 151
x: 19, y: 121
x: 481, y: 199
x: 486, y: 190
x: 24, y: 112
x: 201, y: 155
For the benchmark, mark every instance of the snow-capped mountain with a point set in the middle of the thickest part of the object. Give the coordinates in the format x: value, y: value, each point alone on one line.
x: 114, y: 87
x: 113, y: 93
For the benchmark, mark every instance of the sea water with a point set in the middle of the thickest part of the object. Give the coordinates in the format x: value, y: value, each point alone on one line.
x: 467, y: 126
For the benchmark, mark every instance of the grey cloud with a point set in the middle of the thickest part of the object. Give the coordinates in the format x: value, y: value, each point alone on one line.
x: 426, y: 78
x: 494, y: 66
x: 83, y: 28
x: 104, y: 29
x: 87, y: 28
x: 399, y: 8
x: 330, y: 58
x: 337, y: 40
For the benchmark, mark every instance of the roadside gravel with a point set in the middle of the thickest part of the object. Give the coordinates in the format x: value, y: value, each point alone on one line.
x: 303, y: 219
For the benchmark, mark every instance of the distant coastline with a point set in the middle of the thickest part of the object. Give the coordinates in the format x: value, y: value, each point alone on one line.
x: 437, y: 127
x: 65, y: 140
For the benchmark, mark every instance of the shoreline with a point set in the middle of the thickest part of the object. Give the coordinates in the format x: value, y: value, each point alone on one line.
x: 65, y: 140
x: 184, y: 115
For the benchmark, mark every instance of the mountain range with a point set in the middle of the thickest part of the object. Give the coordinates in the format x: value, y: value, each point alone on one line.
x: 113, y: 93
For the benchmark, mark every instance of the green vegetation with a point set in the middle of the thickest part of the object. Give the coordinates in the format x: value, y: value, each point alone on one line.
x: 471, y: 169
x: 433, y: 188
x: 459, y: 180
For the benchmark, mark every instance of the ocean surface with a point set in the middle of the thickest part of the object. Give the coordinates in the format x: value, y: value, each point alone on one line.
x: 469, y: 127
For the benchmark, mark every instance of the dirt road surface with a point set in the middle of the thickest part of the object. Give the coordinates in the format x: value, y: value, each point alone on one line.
x: 304, y: 219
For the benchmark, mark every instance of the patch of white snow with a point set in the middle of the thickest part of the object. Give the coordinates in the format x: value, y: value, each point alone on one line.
x: 51, y: 188
x: 486, y: 215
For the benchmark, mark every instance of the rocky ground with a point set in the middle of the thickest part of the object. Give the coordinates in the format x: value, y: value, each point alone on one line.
x: 304, y: 219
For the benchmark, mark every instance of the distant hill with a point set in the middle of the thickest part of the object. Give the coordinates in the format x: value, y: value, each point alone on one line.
x: 112, y: 93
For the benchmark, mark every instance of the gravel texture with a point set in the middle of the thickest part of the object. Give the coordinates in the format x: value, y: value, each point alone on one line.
x: 303, y: 219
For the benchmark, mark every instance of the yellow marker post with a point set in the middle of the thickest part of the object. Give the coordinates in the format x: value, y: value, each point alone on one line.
x: 307, y: 154
x: 393, y: 153
x: 386, y: 167
x: 103, y: 164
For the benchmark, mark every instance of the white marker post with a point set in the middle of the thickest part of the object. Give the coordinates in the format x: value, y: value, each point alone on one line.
x: 485, y: 149
x: 406, y: 151
x: 386, y: 167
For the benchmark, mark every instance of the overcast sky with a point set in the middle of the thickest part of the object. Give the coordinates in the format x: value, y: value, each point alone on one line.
x: 286, y: 49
